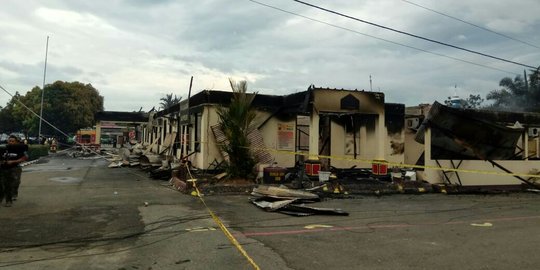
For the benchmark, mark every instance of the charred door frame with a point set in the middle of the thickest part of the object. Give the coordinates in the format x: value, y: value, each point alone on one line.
x: 300, y: 133
x: 325, y: 133
x: 325, y: 140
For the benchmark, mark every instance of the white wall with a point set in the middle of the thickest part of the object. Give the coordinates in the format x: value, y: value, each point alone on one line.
x: 395, y: 155
x: 283, y: 156
x: 210, y: 149
x: 482, y: 172
x: 413, y: 149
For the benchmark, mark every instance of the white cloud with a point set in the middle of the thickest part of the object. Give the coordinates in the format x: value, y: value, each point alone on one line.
x: 83, y: 22
x: 507, y: 25
x: 135, y: 52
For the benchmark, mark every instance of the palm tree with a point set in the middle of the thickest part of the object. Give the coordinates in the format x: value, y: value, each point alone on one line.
x: 534, y: 88
x: 169, y: 101
x: 236, y: 123
x: 518, y: 94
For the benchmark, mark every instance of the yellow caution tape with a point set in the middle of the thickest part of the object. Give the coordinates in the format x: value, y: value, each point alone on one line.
x: 401, y: 165
x: 394, y: 164
x: 223, y: 228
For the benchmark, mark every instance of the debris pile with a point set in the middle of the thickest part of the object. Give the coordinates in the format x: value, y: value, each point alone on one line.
x: 158, y: 166
x: 336, y: 182
x: 289, y: 201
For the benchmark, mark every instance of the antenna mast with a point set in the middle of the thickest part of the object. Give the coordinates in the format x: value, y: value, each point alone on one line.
x: 43, y: 89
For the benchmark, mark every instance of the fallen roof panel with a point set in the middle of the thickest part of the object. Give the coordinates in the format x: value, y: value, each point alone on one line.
x: 464, y: 134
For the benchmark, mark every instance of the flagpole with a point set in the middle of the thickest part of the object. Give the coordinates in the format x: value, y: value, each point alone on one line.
x: 43, y: 89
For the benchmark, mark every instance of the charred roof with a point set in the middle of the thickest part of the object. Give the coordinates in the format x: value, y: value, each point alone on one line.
x: 261, y: 101
x: 296, y: 103
x: 502, y: 117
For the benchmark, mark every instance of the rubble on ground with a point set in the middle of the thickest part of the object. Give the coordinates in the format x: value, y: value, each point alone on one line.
x: 289, y: 201
x: 341, y: 183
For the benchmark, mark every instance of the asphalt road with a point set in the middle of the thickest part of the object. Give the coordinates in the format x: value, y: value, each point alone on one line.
x: 79, y: 214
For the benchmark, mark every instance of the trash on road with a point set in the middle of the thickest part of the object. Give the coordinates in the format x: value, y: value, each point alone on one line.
x: 290, y: 202
x: 282, y: 193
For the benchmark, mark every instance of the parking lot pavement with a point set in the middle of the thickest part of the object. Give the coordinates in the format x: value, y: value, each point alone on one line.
x: 398, y: 232
x: 79, y: 214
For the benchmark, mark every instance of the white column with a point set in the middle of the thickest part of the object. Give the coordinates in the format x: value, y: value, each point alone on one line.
x: 525, y: 139
x: 205, y: 160
x: 381, y: 136
x: 537, y: 141
x: 98, y: 132
x: 363, y: 143
x: 431, y: 174
x: 314, y: 136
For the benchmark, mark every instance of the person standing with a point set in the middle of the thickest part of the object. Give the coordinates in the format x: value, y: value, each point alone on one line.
x: 10, y: 170
x: 25, y: 157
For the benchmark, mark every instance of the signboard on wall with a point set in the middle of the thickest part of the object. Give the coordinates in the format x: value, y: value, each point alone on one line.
x: 285, y: 136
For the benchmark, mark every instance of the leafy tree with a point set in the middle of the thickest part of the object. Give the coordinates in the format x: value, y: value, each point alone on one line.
x: 236, y: 123
x: 518, y: 94
x: 534, y: 87
x: 474, y: 101
x: 169, y: 100
x: 68, y: 106
x: 22, y: 115
x: 8, y: 123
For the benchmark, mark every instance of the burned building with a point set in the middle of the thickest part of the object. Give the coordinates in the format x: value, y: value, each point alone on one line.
x: 118, y: 127
x: 479, y: 148
x: 328, y: 127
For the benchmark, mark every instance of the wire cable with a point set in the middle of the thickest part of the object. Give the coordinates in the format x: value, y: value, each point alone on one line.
x: 472, y: 24
x: 381, y: 39
x: 111, y: 236
x: 94, y: 242
x: 412, y: 35
x: 31, y: 111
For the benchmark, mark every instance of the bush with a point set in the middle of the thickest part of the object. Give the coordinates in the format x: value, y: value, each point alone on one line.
x: 36, y: 151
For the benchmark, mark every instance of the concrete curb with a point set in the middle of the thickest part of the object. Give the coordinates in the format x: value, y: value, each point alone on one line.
x: 29, y: 162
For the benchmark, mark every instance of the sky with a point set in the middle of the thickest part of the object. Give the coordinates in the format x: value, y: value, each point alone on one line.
x: 135, y: 52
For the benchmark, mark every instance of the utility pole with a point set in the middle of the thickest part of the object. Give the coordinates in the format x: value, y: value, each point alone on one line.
x: 43, y: 89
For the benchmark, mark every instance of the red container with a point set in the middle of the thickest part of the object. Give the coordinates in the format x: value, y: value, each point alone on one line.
x: 375, y: 168
x: 383, y: 169
x: 312, y: 167
x: 379, y: 168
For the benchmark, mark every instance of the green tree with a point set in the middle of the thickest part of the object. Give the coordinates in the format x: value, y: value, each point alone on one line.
x: 534, y: 88
x: 169, y: 100
x: 68, y: 106
x: 8, y: 122
x: 474, y: 102
x: 236, y: 123
x: 518, y: 94
x: 23, y: 115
